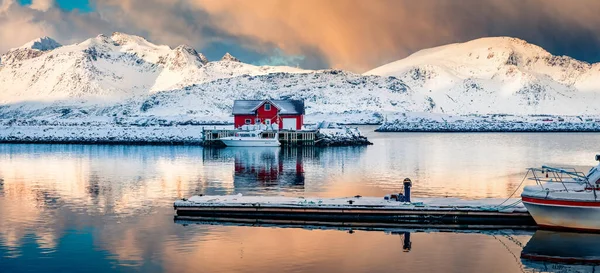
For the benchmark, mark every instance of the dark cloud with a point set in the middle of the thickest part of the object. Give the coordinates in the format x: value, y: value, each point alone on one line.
x: 350, y: 34
x: 561, y: 28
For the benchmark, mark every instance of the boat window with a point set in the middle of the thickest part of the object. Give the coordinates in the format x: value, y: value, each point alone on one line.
x: 253, y: 135
x: 267, y: 107
x: 248, y: 121
x: 592, y: 171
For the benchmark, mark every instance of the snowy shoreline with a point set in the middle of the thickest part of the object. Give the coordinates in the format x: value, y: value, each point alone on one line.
x: 489, y: 127
x: 146, y: 135
x: 124, y: 134
x: 429, y: 122
x: 130, y: 135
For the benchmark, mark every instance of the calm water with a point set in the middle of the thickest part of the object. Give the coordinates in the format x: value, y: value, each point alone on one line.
x: 90, y: 208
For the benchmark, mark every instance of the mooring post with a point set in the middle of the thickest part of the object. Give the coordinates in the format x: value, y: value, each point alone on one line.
x: 407, y: 245
x: 407, y: 186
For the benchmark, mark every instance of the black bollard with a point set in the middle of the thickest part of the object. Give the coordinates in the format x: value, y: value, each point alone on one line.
x: 407, y: 186
x: 407, y: 243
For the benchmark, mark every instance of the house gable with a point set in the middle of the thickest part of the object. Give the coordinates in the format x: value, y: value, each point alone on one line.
x: 260, y: 106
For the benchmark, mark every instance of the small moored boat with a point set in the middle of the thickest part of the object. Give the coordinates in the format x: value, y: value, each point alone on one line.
x: 564, y: 198
x: 250, y: 139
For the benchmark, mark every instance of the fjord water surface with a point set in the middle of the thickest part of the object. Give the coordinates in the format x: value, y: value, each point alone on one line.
x: 89, y: 208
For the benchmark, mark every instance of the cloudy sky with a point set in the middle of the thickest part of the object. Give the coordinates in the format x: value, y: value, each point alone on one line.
x: 349, y: 34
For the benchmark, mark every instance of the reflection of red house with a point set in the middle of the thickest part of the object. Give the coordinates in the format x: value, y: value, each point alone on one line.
x: 267, y: 172
x: 288, y: 114
x: 268, y: 167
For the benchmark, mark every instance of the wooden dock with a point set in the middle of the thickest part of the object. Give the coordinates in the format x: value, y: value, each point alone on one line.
x: 286, y: 137
x: 369, y: 212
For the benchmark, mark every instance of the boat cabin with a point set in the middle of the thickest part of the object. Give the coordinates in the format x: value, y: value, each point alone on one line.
x: 287, y: 114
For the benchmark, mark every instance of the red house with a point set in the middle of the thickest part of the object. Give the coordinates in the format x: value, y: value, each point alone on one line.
x: 288, y: 114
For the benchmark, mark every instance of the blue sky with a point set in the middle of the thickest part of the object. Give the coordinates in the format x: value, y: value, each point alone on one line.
x: 81, y: 5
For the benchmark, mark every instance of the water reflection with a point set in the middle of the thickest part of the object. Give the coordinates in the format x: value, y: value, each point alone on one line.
x: 266, y: 168
x: 327, y: 249
x: 270, y: 167
x: 101, y: 208
x: 550, y: 251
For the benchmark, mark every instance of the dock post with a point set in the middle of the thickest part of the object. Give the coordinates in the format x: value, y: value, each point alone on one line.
x: 407, y: 186
x: 407, y: 245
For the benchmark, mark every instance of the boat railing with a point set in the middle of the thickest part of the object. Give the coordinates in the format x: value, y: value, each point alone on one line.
x: 564, y: 176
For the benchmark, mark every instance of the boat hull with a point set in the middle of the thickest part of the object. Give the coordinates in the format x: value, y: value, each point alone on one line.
x: 564, y: 214
x: 251, y: 142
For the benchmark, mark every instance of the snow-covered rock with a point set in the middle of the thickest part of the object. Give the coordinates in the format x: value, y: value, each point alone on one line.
x: 343, y: 136
x: 228, y: 57
x: 203, y: 58
x: 29, y: 50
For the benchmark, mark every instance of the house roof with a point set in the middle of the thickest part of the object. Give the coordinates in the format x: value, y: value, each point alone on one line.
x: 286, y: 107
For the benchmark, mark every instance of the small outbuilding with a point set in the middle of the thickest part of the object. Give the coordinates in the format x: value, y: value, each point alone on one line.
x: 288, y: 114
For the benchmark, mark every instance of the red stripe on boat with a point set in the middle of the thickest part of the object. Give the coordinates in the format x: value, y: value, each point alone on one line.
x: 569, y: 229
x: 561, y: 202
x: 566, y: 260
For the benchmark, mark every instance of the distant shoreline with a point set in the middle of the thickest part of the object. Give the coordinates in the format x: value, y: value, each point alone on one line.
x: 483, y: 131
x: 490, y: 127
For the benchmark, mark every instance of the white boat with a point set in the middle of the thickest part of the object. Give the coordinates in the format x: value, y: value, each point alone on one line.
x: 250, y: 139
x: 564, y: 198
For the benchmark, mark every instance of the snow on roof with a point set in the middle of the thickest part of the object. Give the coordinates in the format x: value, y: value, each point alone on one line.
x: 286, y: 107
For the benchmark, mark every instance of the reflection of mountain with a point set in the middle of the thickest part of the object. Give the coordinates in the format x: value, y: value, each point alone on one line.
x: 550, y: 251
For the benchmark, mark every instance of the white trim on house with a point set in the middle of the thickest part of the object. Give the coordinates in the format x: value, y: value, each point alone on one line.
x: 269, y: 101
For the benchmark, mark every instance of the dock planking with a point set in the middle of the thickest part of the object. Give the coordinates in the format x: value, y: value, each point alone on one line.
x: 356, y: 211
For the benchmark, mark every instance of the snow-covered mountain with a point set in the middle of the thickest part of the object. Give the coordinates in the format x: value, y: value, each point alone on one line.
x: 126, y: 78
x: 499, y: 75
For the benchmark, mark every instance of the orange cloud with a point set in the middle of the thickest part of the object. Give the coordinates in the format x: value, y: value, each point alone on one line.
x: 359, y: 35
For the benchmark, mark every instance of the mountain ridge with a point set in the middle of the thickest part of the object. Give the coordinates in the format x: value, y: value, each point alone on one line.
x: 129, y: 78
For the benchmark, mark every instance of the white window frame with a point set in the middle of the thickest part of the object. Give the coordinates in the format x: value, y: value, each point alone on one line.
x: 248, y: 121
x: 267, y: 106
x: 257, y: 121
